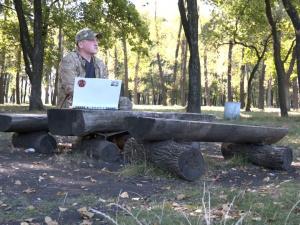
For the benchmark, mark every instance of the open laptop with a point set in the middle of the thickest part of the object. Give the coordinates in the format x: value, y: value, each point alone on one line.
x: 96, y: 93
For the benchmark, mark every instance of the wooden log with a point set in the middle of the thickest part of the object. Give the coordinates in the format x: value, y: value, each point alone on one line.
x: 23, y: 122
x: 183, y: 159
x: 158, y: 129
x: 277, y: 158
x: 40, y: 141
x: 97, y: 148
x: 81, y: 122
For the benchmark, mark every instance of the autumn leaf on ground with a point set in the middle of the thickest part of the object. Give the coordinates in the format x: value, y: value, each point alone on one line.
x: 29, y: 191
x: 62, y: 193
x: 85, y: 222
x: 124, y: 195
x: 84, y: 213
x: 166, y: 188
x: 62, y: 209
x: 49, y: 221
x: 267, y: 179
x: 93, y: 180
x: 18, y: 182
x: 181, y: 197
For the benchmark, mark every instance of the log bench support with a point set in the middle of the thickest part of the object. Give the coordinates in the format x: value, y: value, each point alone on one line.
x: 183, y: 159
x: 268, y: 156
x: 40, y: 141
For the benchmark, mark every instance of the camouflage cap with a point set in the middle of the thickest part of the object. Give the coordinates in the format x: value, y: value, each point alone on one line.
x: 86, y: 34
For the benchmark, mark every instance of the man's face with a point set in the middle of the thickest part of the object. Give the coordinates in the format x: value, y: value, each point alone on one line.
x: 89, y: 46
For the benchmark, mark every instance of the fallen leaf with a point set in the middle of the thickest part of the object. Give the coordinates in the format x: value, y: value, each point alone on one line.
x: 62, y: 209
x: 222, y: 197
x: 29, y: 191
x: 18, y: 182
x: 181, y: 197
x: 83, y: 187
x: 87, y: 177
x: 166, y: 188
x: 124, y: 195
x: 30, y: 207
x: 267, y: 179
x: 29, y: 220
x: 93, y: 180
x: 84, y: 213
x: 77, y: 170
x: 62, y: 193
x: 24, y: 223
x: 41, y: 178
x: 51, y: 177
x: 135, y: 199
x: 49, y: 221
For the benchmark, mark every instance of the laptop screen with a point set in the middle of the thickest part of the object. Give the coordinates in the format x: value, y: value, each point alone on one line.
x: 96, y: 93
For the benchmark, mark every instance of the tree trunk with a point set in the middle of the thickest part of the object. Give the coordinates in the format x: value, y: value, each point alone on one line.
x: 287, y: 79
x: 159, y: 129
x: 2, y: 86
x: 183, y: 159
x: 269, y: 93
x: 39, y: 141
x: 229, y: 97
x: 126, y: 92
x: 295, y: 94
x: 277, y: 60
x: 242, y: 83
x: 97, y: 148
x: 261, y: 94
x: 162, y: 82
x: 175, y: 67
x: 276, y: 158
x: 293, y: 14
x: 207, y: 89
x: 18, y: 77
x: 47, y: 79
x: 184, y: 49
x: 60, y: 50
x: 33, y: 53
x: 136, y: 102
x: 190, y: 24
x: 6, y: 85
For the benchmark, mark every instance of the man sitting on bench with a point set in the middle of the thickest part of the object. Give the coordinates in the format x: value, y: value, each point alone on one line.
x: 79, y: 63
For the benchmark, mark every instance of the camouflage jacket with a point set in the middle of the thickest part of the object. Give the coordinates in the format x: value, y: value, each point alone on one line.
x: 71, y: 66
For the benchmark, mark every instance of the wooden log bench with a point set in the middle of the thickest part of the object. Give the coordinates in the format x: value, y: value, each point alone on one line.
x: 252, y: 142
x: 30, y: 131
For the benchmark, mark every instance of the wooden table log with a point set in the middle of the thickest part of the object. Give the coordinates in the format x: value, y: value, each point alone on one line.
x: 81, y: 122
x: 97, y: 148
x: 157, y: 129
x: 277, y: 158
x: 183, y: 159
x: 10, y: 122
x: 40, y: 141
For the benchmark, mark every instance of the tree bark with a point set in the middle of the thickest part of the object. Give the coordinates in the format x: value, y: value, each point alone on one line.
x: 175, y: 67
x: 162, y: 82
x: 229, y: 97
x: 261, y: 94
x: 277, y: 60
x: 40, y: 141
x: 159, y: 129
x: 287, y: 79
x: 277, y: 158
x: 269, y: 93
x: 190, y: 25
x: 183, y: 159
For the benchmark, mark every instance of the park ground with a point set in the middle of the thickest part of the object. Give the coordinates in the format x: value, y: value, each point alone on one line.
x: 70, y: 188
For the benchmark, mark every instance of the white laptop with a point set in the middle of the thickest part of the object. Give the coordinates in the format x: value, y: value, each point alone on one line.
x: 96, y: 93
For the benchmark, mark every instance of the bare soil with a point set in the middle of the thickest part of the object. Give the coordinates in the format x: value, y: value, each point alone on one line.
x: 29, y: 180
